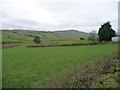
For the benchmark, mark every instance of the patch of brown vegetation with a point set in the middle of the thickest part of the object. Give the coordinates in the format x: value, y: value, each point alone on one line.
x: 85, y: 77
x: 9, y: 44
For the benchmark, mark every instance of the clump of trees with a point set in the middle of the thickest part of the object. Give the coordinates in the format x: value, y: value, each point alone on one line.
x: 36, y: 39
x: 106, y: 32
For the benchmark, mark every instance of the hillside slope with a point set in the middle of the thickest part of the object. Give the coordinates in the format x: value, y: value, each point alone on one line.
x: 27, y: 35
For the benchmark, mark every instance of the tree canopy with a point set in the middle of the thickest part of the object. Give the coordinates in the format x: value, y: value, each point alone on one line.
x: 106, y: 32
x: 36, y: 39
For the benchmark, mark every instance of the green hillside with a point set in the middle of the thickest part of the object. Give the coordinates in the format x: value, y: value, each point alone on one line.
x: 27, y: 35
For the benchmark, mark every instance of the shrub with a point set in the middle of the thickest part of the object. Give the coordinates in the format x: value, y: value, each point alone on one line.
x: 111, y: 83
x: 36, y: 39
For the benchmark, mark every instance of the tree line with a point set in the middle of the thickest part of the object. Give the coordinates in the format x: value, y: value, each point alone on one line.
x: 105, y: 34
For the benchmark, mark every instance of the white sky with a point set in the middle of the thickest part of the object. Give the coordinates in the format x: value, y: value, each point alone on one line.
x: 51, y: 15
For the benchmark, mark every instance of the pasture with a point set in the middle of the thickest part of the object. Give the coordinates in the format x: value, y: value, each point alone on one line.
x: 63, y: 42
x: 41, y: 67
x: 27, y: 36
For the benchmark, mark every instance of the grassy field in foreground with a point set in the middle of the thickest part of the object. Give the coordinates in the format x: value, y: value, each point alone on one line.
x: 38, y: 67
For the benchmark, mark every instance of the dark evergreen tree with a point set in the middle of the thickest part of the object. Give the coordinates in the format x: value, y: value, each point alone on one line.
x: 106, y: 32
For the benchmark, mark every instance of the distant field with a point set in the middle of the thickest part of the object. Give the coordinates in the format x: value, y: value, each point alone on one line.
x: 6, y: 37
x: 65, y: 42
x: 27, y: 35
x: 47, y: 38
x: 38, y: 67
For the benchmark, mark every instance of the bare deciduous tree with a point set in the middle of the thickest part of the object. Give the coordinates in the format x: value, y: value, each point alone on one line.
x: 92, y: 35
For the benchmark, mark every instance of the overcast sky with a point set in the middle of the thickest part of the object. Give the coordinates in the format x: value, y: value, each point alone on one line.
x: 52, y: 15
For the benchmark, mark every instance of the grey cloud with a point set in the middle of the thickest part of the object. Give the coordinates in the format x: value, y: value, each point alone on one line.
x: 78, y: 15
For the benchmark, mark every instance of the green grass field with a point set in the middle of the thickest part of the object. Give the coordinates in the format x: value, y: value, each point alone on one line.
x: 15, y: 38
x: 73, y: 42
x: 38, y: 67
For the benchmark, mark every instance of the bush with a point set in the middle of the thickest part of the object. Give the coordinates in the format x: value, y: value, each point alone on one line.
x: 37, y: 39
x: 116, y: 77
x: 111, y: 83
x: 82, y: 38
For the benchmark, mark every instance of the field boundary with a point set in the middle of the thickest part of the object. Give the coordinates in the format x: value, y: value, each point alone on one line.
x: 37, y: 46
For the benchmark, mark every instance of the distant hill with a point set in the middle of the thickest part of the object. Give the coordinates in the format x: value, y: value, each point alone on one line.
x: 27, y: 35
